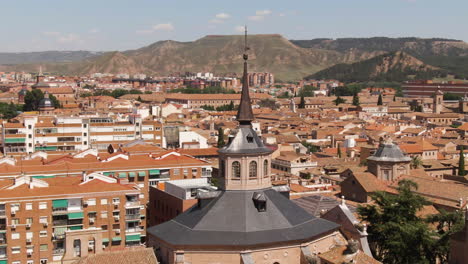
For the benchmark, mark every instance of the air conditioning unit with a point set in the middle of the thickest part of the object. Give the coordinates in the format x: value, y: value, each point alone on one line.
x: 91, y: 221
x: 117, y: 231
x: 13, y: 226
x: 13, y: 212
x: 2, y: 240
x: 29, y: 253
x: 116, y: 217
x: 28, y: 225
x: 45, y: 224
x: 28, y: 240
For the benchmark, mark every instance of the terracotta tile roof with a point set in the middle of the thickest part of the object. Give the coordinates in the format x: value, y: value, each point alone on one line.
x: 369, y: 182
x: 63, y: 186
x: 214, y: 96
x: 134, y: 256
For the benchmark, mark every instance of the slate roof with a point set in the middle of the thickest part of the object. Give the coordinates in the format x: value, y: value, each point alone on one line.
x: 389, y: 152
x: 241, y: 144
x: 317, y: 203
x: 232, y: 219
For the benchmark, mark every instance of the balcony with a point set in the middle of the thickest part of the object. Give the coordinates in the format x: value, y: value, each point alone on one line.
x: 58, y: 251
x: 61, y: 222
x: 66, y: 210
x: 132, y: 229
x: 130, y: 204
x: 132, y: 217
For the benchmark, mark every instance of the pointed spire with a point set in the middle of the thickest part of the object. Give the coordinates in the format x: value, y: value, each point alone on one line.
x: 245, y: 114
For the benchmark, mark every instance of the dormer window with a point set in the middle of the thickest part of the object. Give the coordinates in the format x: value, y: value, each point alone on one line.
x: 249, y: 138
x: 259, y: 200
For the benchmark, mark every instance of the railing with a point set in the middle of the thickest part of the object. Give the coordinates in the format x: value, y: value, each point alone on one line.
x: 131, y: 204
x: 60, y: 210
x: 132, y: 217
x: 58, y: 251
x: 132, y: 229
x: 60, y: 222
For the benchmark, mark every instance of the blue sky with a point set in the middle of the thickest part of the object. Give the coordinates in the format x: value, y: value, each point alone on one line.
x: 37, y: 25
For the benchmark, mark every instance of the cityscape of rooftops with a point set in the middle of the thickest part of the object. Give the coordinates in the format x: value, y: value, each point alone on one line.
x: 244, y: 132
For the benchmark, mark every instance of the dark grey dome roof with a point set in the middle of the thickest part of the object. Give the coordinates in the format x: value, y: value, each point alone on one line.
x: 46, y: 102
x: 232, y: 219
x: 389, y: 152
x: 246, y: 141
x: 22, y: 92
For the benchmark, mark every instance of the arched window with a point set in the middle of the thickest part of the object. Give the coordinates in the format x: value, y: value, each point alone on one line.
x: 253, y: 169
x: 265, y: 168
x: 236, y: 169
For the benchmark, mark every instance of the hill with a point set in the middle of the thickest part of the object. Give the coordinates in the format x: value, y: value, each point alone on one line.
x: 449, y: 54
x: 393, y: 66
x: 288, y: 60
x: 45, y: 56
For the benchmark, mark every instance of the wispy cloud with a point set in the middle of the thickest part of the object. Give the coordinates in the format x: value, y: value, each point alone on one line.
x: 223, y: 16
x: 69, y: 38
x: 158, y: 27
x: 260, y: 15
x: 163, y: 27
x: 263, y: 12
x: 220, y: 18
x: 239, y: 29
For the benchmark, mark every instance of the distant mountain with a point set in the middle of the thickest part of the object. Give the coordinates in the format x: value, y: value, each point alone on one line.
x: 393, y: 66
x: 45, y: 56
x: 448, y: 54
x: 288, y: 60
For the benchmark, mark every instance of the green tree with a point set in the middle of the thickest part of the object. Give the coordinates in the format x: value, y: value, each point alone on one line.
x: 356, y: 100
x: 380, y: 101
x: 269, y: 103
x: 339, y: 100
x: 231, y: 106
x: 310, y: 148
x: 416, y: 162
x: 8, y: 111
x: 461, y: 163
x: 148, y: 92
x: 55, y: 101
x: 396, y: 233
x: 302, y: 103
x: 221, y: 142
x: 139, y: 99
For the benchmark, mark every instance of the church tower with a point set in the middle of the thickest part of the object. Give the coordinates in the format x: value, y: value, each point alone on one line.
x: 245, y: 162
x: 438, y: 102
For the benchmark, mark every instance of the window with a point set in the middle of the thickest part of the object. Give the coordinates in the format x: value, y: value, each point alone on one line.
x: 44, y: 261
x: 30, y: 262
x: 104, y: 227
x: 236, y: 169
x: 15, y: 250
x: 43, y: 219
x: 103, y: 201
x: 29, y: 220
x: 43, y: 233
x: 43, y: 205
x: 15, y: 207
x: 176, y: 171
x: 103, y: 214
x: 29, y: 206
x: 265, y: 168
x: 15, y: 221
x: 116, y: 200
x: 91, y: 201
x: 43, y: 247
x: 15, y: 235
x: 253, y: 169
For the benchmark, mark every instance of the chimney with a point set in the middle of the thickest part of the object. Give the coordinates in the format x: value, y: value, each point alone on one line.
x: 83, y: 176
